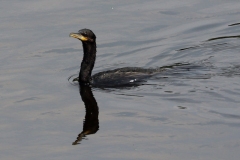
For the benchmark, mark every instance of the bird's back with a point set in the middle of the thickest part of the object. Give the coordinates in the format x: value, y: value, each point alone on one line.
x: 122, y: 77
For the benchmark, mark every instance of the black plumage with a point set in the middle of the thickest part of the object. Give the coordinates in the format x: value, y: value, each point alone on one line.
x: 127, y: 76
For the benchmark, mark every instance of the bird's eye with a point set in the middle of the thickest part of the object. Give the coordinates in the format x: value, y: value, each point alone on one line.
x: 84, y: 34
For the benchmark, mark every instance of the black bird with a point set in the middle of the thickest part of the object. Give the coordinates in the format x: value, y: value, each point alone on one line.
x: 122, y: 77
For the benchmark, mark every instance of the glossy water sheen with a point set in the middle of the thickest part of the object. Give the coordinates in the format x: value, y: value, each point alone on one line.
x: 189, y: 112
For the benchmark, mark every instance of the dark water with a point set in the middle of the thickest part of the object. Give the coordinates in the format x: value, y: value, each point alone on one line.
x: 189, y: 112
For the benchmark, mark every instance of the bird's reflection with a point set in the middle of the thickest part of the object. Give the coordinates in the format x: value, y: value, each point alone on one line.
x: 91, y: 123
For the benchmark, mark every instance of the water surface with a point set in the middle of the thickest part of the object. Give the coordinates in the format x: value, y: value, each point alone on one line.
x: 186, y: 113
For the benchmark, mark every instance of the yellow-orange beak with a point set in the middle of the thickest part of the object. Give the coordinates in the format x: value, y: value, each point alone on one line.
x: 78, y: 36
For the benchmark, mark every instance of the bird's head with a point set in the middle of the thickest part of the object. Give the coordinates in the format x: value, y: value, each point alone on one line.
x: 85, y: 35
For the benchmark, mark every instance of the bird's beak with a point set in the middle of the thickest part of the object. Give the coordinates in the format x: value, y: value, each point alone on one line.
x: 78, y: 36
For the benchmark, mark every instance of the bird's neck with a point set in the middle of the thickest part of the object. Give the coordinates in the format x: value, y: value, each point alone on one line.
x: 89, y: 51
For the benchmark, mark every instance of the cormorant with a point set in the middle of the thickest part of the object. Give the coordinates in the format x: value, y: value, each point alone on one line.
x: 122, y: 77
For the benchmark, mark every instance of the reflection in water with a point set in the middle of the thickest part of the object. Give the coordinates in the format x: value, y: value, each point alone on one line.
x: 91, y: 123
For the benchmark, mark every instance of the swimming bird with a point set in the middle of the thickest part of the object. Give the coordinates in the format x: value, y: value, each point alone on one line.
x: 121, y: 77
